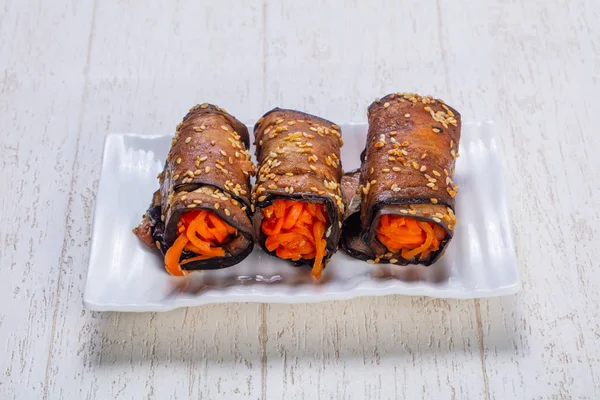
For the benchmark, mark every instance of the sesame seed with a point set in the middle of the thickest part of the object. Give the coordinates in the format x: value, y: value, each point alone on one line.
x: 197, y: 172
x: 379, y: 144
x: 262, y: 198
x: 407, y: 115
x: 212, y: 142
x: 313, y: 167
x: 370, y: 262
x: 178, y: 161
x: 227, y: 212
x: 207, y: 170
x: 175, y: 177
x: 433, y: 200
x: 386, y: 105
x: 191, y: 206
x: 393, y: 260
x: 447, y: 218
x: 396, y: 169
x: 385, y: 170
x: 415, y: 165
x: 197, y: 201
x: 436, y: 173
x: 224, y: 128
x: 412, y: 212
x: 201, y: 159
x: 451, y: 143
x: 216, y: 205
x: 189, y: 139
x: 436, y: 130
x: 423, y: 168
x: 272, y: 187
x: 204, y: 105
x: 451, y: 227
x: 403, y: 211
x: 430, y: 184
x: 392, y: 133
x: 396, y: 189
x: 423, y: 156
x: 391, y: 158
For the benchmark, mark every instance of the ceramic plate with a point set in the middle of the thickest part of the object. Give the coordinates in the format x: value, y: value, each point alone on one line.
x: 124, y: 275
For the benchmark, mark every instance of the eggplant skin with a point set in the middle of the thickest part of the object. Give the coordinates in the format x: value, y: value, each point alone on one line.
x: 208, y: 168
x: 298, y: 157
x: 407, y: 169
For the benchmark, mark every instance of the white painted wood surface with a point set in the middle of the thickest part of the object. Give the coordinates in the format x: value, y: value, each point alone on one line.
x: 70, y: 72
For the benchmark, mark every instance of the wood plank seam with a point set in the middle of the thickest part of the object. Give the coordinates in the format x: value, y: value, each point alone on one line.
x: 61, y: 261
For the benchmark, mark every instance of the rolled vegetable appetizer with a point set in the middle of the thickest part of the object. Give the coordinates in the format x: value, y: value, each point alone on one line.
x: 406, y: 188
x: 297, y: 196
x: 200, y: 217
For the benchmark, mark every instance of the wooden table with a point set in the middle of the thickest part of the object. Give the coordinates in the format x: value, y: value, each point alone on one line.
x: 72, y: 71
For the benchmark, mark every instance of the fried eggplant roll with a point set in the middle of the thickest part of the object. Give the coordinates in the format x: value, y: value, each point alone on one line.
x: 297, y: 196
x: 406, y: 181
x: 200, y: 217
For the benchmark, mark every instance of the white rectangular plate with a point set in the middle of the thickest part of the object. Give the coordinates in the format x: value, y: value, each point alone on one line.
x: 124, y: 275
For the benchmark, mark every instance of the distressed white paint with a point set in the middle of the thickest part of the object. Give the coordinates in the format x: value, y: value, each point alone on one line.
x: 72, y: 71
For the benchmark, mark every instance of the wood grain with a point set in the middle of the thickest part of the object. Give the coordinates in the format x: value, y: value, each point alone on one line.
x: 71, y: 72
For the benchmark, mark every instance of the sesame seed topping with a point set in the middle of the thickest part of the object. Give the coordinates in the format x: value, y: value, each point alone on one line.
x: 393, y: 260
x: 227, y: 212
x: 396, y: 169
x: 178, y: 161
x: 385, y: 170
x: 451, y: 227
x: 407, y: 115
x: 379, y: 144
x: 423, y: 156
x: 386, y: 105
x: 188, y: 139
x: 430, y: 184
x: 203, y: 105
x: 370, y: 262
x: 191, y: 206
x: 403, y: 211
x: 217, y: 205
x: 272, y: 186
x: 423, y: 168
x: 262, y: 198
x: 224, y: 128
x: 207, y: 170
x: 393, y: 133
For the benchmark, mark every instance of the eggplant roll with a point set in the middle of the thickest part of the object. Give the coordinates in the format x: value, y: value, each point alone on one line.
x: 405, y: 185
x: 297, y: 196
x: 200, y: 218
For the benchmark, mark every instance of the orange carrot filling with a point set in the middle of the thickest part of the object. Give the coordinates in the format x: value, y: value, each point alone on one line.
x: 296, y: 230
x: 409, y: 236
x: 201, y: 232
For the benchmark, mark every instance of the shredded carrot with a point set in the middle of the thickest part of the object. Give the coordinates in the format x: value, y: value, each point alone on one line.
x: 410, y: 237
x: 295, y: 230
x: 172, y: 256
x: 201, y: 232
